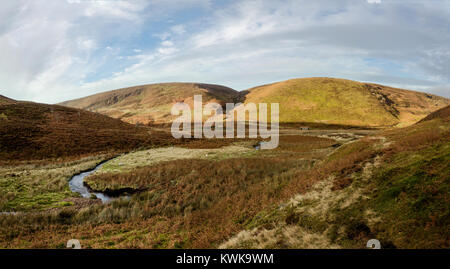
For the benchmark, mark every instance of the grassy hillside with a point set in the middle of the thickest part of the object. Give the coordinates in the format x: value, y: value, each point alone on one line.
x: 308, y: 100
x: 151, y: 103
x: 394, y: 187
x: 31, y: 131
x: 346, y: 102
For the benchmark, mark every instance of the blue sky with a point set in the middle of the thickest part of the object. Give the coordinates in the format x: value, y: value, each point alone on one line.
x: 55, y: 50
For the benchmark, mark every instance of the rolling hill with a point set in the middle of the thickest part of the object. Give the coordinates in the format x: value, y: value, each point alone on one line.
x: 311, y: 192
x: 32, y: 131
x: 339, y: 101
x: 306, y: 100
x: 151, y: 103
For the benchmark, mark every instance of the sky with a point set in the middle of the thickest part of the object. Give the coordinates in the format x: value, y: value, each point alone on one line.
x: 56, y: 50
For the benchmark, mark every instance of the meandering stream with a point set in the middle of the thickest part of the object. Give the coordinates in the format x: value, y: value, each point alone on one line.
x: 76, y: 184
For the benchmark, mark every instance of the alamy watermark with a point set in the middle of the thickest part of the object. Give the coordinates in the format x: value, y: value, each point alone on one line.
x: 212, y: 127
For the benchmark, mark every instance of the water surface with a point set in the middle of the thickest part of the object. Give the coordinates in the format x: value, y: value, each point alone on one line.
x: 76, y: 185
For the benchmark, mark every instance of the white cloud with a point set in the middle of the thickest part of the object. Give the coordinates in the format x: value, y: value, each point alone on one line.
x: 120, y: 9
x: 167, y: 50
x: 178, y: 29
x: 167, y: 43
x: 86, y: 44
x: 46, y: 47
x: 49, y: 50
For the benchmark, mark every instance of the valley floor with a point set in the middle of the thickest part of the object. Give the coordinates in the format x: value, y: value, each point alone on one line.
x: 318, y: 189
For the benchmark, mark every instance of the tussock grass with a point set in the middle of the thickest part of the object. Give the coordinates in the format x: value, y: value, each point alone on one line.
x: 392, y: 187
x: 149, y: 157
x: 187, y: 196
x: 40, y: 187
x: 195, y: 202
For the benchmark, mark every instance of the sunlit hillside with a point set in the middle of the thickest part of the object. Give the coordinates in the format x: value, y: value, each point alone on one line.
x: 151, y: 103
x: 339, y: 101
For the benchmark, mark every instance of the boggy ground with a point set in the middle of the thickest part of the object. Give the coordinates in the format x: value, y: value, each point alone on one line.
x: 318, y: 189
x: 36, y: 186
x: 190, y: 196
x: 393, y: 186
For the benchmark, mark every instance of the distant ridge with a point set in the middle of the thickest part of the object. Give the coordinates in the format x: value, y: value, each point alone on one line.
x: 150, y: 103
x: 315, y: 100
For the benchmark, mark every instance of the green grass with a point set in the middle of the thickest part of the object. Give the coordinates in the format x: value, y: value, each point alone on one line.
x: 130, y: 161
x: 324, y: 100
x: 412, y: 190
x: 40, y: 187
x: 408, y: 192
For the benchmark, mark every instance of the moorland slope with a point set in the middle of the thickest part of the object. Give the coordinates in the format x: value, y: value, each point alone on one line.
x: 443, y: 113
x: 322, y: 191
x: 307, y: 100
x: 346, y: 102
x: 391, y: 186
x: 150, y: 103
x: 32, y: 131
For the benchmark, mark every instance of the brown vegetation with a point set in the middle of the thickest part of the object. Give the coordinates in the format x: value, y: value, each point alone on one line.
x: 5, y: 100
x: 151, y: 103
x: 393, y: 187
x: 31, y: 131
x: 317, y: 102
x: 192, y: 203
x: 443, y: 113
